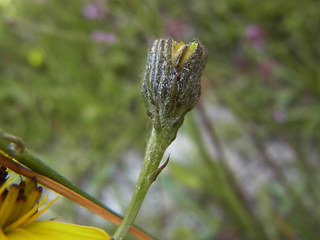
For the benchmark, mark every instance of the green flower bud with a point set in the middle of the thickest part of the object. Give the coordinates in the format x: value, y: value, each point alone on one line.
x: 171, y: 84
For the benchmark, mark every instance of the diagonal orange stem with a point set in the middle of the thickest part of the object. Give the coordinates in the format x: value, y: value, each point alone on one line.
x: 12, y: 164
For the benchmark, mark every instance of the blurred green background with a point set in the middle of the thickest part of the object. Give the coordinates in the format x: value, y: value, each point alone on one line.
x: 245, y: 164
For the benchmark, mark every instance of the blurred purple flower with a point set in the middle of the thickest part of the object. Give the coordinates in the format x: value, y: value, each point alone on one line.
x: 279, y: 115
x: 253, y: 32
x: 240, y: 62
x: 101, y: 36
x: 11, y: 22
x: 178, y: 29
x: 255, y: 36
x: 266, y: 70
x: 92, y: 11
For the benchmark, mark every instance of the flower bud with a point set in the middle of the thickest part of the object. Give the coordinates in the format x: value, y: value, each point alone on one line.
x: 171, y: 85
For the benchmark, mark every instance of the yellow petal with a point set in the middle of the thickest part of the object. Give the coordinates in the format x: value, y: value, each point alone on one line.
x: 2, y: 236
x: 177, y: 50
x: 5, y: 185
x: 50, y: 230
x: 30, y: 216
x: 8, y: 204
x: 21, y: 234
x: 188, y: 53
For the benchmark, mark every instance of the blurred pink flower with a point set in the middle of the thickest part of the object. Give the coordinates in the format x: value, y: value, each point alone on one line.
x: 240, y: 62
x: 279, y: 115
x: 178, y: 29
x: 256, y: 36
x: 101, y: 36
x: 11, y: 21
x: 266, y: 70
x: 93, y: 11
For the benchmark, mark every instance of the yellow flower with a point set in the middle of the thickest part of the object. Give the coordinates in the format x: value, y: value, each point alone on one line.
x: 19, y: 205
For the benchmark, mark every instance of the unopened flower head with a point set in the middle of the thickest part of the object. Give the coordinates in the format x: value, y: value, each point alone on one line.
x: 171, y: 84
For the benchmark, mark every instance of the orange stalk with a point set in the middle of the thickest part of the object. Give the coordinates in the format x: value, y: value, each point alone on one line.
x: 12, y: 163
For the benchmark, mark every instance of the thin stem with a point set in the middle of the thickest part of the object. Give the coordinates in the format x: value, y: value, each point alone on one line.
x: 54, y: 181
x: 38, y: 166
x: 215, y: 141
x: 233, y: 194
x: 156, y: 147
x: 313, y: 221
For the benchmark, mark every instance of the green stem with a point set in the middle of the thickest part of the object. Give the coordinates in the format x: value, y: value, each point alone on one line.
x: 156, y: 147
x: 38, y: 166
x: 35, y: 164
x: 226, y: 190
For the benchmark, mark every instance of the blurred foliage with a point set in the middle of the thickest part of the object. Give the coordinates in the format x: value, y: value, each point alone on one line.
x: 69, y: 86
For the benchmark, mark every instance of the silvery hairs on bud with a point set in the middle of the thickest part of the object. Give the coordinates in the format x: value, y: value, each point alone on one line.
x: 171, y: 85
